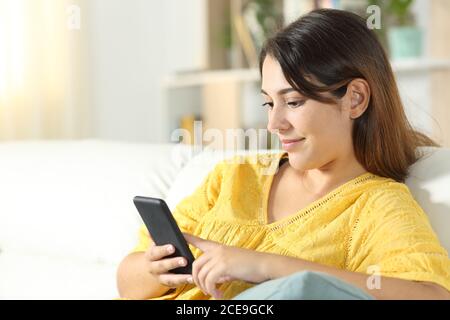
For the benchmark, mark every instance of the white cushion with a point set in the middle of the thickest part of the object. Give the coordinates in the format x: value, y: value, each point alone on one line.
x: 74, y: 199
x: 429, y: 182
x: 30, y: 276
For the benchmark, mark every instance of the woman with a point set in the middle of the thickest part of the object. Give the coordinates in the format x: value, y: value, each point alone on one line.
x: 337, y: 204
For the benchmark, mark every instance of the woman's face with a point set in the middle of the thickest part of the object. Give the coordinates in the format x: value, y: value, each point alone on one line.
x: 321, y: 132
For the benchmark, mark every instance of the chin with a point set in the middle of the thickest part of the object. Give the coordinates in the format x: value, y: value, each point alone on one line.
x: 298, y: 162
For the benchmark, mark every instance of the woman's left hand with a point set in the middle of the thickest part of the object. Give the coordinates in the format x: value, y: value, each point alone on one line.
x: 220, y: 263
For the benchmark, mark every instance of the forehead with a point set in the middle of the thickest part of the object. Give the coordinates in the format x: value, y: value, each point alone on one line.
x: 273, y: 78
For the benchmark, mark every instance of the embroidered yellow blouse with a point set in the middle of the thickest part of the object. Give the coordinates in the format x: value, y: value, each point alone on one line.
x: 369, y: 223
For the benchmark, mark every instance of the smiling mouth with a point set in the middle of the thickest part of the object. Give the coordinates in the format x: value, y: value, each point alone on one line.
x: 287, y: 142
x: 291, y: 144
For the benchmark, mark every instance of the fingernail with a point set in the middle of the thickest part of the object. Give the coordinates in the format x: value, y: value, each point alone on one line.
x: 170, y: 249
x: 181, y: 262
x: 190, y: 280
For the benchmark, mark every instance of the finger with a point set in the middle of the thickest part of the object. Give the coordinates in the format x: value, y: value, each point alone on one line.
x: 165, y: 265
x: 211, y: 281
x: 203, y: 273
x: 174, y: 280
x: 197, y: 266
x: 155, y: 253
x: 202, y: 244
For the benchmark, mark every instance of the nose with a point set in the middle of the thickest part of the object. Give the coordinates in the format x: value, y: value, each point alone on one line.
x: 277, y: 120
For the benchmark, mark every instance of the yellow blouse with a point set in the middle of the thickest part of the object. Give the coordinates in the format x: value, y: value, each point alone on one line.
x: 367, y: 224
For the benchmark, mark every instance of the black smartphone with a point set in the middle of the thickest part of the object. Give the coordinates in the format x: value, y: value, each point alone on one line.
x: 164, y: 230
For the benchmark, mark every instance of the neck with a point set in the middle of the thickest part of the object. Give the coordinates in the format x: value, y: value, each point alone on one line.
x: 322, y: 180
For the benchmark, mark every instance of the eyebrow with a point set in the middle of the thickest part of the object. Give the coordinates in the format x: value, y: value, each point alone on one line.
x: 281, y: 92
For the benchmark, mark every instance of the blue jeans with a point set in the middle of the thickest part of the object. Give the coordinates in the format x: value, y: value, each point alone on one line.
x: 305, y: 285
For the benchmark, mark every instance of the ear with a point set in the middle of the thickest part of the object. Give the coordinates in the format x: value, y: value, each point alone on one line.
x: 358, y: 93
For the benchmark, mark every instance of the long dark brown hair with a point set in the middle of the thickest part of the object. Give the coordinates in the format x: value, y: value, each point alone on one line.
x: 333, y: 47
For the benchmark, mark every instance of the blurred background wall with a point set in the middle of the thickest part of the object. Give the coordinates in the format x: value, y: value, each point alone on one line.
x: 43, y: 67
x: 101, y: 79
x: 136, y: 70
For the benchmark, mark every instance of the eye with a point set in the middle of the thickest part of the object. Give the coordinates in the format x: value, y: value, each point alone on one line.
x: 296, y: 104
x: 268, y: 104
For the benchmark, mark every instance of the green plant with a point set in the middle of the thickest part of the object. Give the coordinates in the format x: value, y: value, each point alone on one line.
x: 401, y: 10
x: 262, y: 18
x: 225, y: 33
x: 395, y: 12
x: 268, y: 15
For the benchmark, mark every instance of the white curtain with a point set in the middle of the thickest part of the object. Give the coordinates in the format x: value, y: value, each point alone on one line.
x: 43, y: 81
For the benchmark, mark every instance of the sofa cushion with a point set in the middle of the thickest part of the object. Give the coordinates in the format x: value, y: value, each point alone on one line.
x: 429, y: 182
x: 25, y: 275
x: 74, y: 198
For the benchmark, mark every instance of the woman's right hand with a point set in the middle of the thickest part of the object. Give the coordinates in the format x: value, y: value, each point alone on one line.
x: 160, y: 267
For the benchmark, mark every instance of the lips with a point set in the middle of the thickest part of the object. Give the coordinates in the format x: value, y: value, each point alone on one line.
x: 286, y: 141
x: 291, y: 144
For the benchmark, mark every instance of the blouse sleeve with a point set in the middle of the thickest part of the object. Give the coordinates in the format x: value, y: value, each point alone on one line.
x: 188, y: 212
x: 394, y: 238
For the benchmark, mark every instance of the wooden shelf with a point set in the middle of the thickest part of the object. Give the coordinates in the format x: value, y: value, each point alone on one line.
x: 252, y: 75
x: 208, y: 77
x: 420, y: 65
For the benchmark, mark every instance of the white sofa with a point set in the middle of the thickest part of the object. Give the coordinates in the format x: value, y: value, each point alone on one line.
x: 67, y: 217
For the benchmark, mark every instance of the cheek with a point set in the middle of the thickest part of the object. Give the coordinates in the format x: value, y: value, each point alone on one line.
x: 327, y: 135
x: 320, y: 123
x: 329, y: 126
x: 334, y: 133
